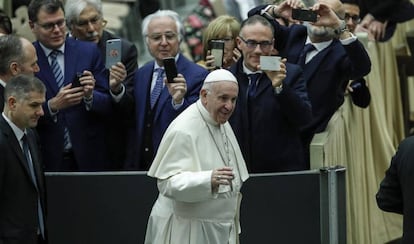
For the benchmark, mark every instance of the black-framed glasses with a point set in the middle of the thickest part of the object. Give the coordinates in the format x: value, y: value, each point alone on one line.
x: 50, y: 26
x: 94, y: 20
x: 251, y: 44
x: 355, y: 18
x: 157, y: 37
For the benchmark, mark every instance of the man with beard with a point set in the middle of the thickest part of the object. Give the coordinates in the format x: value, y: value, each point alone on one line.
x: 329, y: 54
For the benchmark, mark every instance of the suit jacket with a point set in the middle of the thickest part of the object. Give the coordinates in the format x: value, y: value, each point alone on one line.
x: 86, y: 128
x: 116, y: 134
x: 395, y: 193
x: 268, y: 128
x: 163, y: 112
x: 327, y: 74
x: 18, y: 194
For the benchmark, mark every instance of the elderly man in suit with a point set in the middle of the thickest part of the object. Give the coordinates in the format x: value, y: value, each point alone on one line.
x: 86, y: 22
x: 271, y: 106
x: 72, y: 130
x: 156, y: 101
x: 18, y: 56
x: 395, y: 193
x: 329, y: 54
x: 22, y: 185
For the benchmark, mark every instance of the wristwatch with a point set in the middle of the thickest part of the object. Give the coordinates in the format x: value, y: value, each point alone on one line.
x: 278, y: 89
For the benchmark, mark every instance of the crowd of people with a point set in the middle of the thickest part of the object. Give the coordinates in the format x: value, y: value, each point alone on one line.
x: 199, y: 133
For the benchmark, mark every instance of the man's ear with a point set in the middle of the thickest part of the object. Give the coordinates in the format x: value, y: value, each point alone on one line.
x: 11, y: 103
x: 14, y: 68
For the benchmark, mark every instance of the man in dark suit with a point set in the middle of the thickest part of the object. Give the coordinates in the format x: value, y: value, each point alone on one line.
x: 336, y: 58
x: 153, y: 113
x: 86, y: 22
x: 396, y: 193
x: 18, y: 56
x: 22, y: 186
x: 72, y: 130
x: 267, y: 123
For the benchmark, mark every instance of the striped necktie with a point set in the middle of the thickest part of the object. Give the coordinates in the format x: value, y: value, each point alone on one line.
x: 57, y: 72
x: 156, y: 91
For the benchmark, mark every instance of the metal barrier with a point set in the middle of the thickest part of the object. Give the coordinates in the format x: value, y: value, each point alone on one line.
x: 113, y: 207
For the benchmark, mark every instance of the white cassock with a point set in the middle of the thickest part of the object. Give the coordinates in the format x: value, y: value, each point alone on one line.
x: 187, y: 211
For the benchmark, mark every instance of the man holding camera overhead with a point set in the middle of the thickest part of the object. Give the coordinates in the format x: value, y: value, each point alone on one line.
x: 328, y: 52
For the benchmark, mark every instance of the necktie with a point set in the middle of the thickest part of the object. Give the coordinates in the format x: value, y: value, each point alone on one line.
x: 253, y: 84
x: 57, y: 72
x: 156, y: 91
x: 302, y: 58
x: 29, y: 162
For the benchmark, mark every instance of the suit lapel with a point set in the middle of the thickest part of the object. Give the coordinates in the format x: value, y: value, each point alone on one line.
x: 46, y: 75
x: 14, y: 143
x: 70, y: 60
x: 310, y: 68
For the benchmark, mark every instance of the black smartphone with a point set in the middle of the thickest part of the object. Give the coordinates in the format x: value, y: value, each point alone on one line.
x: 170, y: 69
x: 217, y: 50
x: 76, y: 82
x: 304, y: 15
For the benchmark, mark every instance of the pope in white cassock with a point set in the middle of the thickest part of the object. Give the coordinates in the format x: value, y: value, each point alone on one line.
x: 199, y: 170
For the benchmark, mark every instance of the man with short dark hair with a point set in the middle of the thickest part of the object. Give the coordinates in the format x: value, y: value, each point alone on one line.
x: 73, y: 129
x: 22, y: 185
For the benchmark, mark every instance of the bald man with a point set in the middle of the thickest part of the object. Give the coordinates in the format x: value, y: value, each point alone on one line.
x: 18, y: 56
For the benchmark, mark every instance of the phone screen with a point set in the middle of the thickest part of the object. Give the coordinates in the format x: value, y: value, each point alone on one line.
x: 170, y: 69
x: 304, y: 15
x: 217, y: 50
x: 113, y: 52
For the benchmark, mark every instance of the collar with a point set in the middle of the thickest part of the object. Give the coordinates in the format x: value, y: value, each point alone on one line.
x: 247, y: 71
x: 16, y: 130
x: 2, y: 83
x: 47, y: 51
x: 320, y: 45
x: 206, y: 115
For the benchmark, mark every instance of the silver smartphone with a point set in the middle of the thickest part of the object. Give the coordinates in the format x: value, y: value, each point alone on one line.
x: 270, y: 63
x: 113, y: 52
x: 217, y: 50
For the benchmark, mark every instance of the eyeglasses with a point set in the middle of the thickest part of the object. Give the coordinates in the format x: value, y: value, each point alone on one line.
x: 51, y: 26
x: 355, y: 18
x: 224, y: 39
x: 157, y: 37
x: 251, y: 44
x: 93, y: 21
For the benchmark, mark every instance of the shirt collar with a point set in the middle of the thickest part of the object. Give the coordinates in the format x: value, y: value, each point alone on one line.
x: 249, y: 72
x: 47, y: 51
x: 320, y: 45
x: 17, y: 131
x: 2, y: 83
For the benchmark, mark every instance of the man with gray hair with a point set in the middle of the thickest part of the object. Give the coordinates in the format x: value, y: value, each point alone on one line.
x: 199, y: 169
x: 86, y: 22
x: 155, y: 101
x: 18, y: 56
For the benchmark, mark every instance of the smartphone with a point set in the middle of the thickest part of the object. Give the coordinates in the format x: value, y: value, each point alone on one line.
x: 217, y: 50
x: 113, y: 52
x: 304, y: 15
x: 170, y: 69
x: 270, y: 63
x: 76, y: 82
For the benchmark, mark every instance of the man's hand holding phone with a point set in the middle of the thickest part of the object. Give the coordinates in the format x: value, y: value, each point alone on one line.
x: 274, y: 67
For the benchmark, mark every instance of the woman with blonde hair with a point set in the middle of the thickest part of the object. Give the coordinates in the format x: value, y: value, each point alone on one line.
x: 224, y: 28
